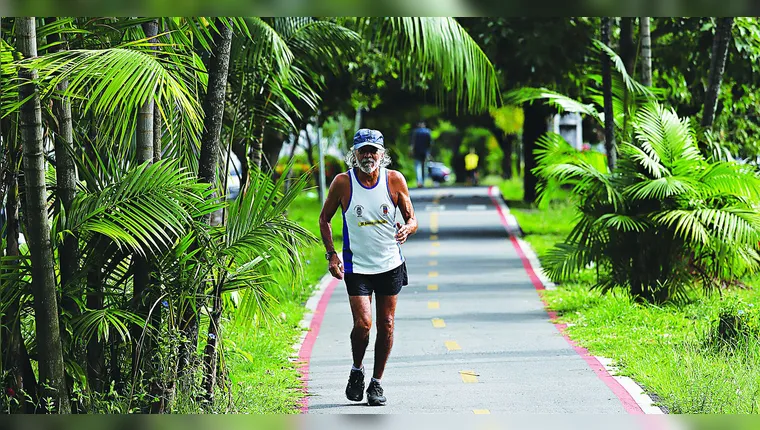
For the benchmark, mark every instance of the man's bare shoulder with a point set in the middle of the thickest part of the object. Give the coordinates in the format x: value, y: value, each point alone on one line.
x: 396, y: 176
x: 341, y: 179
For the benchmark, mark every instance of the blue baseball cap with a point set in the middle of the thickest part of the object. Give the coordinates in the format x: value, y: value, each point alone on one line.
x: 366, y: 136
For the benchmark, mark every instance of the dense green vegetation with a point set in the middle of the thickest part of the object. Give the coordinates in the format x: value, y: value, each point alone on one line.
x: 158, y: 244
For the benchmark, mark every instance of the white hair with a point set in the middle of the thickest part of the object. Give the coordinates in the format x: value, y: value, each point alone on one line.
x: 352, y: 161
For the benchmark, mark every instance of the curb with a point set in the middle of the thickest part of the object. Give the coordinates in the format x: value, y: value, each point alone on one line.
x: 632, y: 395
x: 311, y: 323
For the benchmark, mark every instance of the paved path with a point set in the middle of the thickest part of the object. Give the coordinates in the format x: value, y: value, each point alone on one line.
x: 472, y: 335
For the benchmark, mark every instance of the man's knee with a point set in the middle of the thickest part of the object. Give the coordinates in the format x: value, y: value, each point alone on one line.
x: 385, y: 324
x: 362, y: 325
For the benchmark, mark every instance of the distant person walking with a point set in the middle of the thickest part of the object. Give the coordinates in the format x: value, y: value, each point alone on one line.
x: 471, y: 166
x: 369, y: 195
x: 421, y: 142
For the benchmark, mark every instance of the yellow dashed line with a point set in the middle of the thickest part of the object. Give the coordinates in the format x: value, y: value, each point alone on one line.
x: 452, y: 345
x: 432, y: 274
x: 432, y: 287
x: 434, y: 305
x: 436, y: 243
x: 438, y: 323
x: 433, y: 253
x: 433, y: 237
x: 481, y: 412
x: 432, y: 263
x: 468, y: 376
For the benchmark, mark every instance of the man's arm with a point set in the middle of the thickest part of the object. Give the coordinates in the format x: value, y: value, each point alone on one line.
x: 332, y: 202
x: 404, y: 203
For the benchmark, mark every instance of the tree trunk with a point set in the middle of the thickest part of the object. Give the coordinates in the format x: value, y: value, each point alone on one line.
x: 256, y: 147
x: 50, y: 351
x: 717, y: 66
x: 142, y: 267
x: 213, y: 107
x: 66, y: 177
x: 534, y: 126
x: 95, y: 348
x: 609, y: 118
x: 15, y: 359
x: 646, y: 51
x: 506, y: 143
x: 210, y: 356
x: 627, y: 44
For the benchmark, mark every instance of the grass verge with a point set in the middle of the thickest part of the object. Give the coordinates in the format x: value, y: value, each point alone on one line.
x: 672, y: 351
x: 263, y: 378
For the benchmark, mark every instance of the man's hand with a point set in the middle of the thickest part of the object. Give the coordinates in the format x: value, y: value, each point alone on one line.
x: 335, y: 266
x: 402, y: 232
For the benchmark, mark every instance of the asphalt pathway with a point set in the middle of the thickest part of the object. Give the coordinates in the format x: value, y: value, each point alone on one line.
x: 471, y: 332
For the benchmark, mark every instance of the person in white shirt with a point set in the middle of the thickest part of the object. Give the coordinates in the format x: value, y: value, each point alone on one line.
x: 369, y: 196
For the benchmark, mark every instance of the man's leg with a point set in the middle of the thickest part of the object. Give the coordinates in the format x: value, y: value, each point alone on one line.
x: 418, y: 170
x: 386, y: 311
x: 361, y: 309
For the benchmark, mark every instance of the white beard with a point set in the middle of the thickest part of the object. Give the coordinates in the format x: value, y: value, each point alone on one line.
x: 368, y: 166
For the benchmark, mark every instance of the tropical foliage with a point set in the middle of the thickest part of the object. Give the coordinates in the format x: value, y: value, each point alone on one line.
x: 665, y: 216
x: 150, y: 251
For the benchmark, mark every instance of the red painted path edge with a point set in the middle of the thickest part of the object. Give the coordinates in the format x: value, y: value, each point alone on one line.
x: 304, y: 354
x: 626, y: 399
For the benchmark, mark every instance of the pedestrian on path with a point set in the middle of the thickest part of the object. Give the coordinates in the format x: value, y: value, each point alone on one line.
x: 369, y: 195
x: 421, y: 142
x: 471, y: 166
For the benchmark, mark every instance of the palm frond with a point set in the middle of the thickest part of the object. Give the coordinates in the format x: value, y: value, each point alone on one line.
x: 98, y: 79
x: 150, y: 208
x: 441, y: 46
x: 100, y: 323
x: 560, y: 101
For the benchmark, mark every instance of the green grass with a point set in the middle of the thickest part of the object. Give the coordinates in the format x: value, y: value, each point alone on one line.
x: 264, y: 379
x: 669, y: 349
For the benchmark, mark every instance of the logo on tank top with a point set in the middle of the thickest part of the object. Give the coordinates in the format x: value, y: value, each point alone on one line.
x: 385, y: 208
x: 359, y: 210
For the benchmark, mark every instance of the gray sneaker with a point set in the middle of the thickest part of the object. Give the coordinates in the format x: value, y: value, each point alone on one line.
x: 375, y: 395
x: 355, y: 387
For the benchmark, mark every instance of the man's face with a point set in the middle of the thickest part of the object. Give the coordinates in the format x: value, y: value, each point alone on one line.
x: 369, y: 158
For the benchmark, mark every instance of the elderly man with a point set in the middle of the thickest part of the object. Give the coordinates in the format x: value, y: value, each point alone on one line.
x: 369, y: 196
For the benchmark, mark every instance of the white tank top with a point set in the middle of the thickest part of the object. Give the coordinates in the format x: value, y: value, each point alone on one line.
x: 369, y: 228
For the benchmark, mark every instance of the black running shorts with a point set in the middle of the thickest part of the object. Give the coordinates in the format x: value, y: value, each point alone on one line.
x: 383, y: 284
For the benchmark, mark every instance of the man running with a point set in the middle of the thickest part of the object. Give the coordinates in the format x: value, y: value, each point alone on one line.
x: 369, y: 195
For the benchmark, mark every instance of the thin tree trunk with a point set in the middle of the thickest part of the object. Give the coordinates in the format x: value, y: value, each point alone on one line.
x: 15, y: 359
x: 50, y: 351
x: 66, y: 177
x: 215, y: 98
x: 95, y: 347
x: 609, y: 119
x: 646, y: 51
x: 142, y: 267
x: 627, y: 44
x: 213, y: 107
x: 256, y: 148
x: 158, y: 384
x: 628, y: 55
x: 717, y: 67
x: 534, y: 126
x: 210, y: 354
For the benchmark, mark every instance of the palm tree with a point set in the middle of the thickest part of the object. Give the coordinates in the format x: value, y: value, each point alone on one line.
x: 665, y: 216
x: 609, y: 117
x: 721, y: 39
x: 50, y: 351
x: 646, y: 51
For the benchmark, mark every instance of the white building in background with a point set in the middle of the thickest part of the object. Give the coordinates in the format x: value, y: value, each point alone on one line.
x: 569, y: 126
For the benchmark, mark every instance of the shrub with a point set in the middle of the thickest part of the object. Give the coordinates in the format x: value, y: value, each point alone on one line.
x: 666, y: 215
